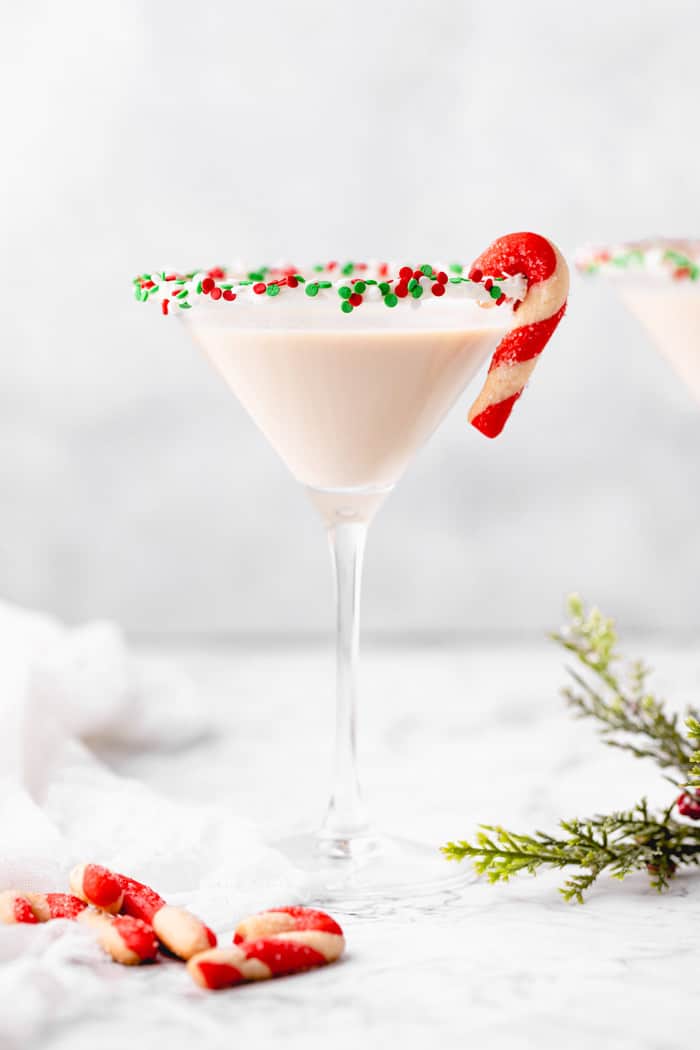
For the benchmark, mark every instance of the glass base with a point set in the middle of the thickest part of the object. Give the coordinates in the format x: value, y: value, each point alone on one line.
x: 375, y: 874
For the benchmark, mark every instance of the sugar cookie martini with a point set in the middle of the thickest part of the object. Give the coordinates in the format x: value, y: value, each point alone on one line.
x: 659, y: 282
x: 347, y: 370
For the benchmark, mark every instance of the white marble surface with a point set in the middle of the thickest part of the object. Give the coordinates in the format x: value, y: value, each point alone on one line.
x: 450, y: 735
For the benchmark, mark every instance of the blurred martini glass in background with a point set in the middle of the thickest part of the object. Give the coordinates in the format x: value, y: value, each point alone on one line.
x: 658, y: 280
x: 347, y: 371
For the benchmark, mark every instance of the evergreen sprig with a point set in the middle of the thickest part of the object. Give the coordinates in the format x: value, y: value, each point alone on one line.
x: 630, y: 718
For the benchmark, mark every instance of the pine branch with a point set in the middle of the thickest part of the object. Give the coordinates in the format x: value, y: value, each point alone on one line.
x: 630, y: 717
x: 617, y: 844
x: 693, y: 726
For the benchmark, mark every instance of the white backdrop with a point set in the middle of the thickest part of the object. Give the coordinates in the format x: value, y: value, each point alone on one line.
x: 149, y: 134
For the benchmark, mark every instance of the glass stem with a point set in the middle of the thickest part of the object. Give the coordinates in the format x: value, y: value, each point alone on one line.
x: 346, y: 819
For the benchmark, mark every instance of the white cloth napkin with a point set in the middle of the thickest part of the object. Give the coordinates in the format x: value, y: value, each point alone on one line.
x: 60, y: 689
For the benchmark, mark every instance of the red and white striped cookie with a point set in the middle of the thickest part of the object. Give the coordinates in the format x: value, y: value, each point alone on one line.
x: 128, y: 941
x: 178, y: 930
x: 30, y: 908
x: 97, y: 886
x: 15, y: 907
x: 273, y: 943
x: 537, y: 316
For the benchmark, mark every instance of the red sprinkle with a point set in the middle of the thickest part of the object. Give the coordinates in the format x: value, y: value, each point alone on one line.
x: 292, y: 281
x: 441, y: 277
x: 405, y: 273
x: 401, y: 290
x: 216, y: 293
x: 259, y: 288
x: 501, y: 299
x: 207, y: 285
x: 517, y: 304
x: 476, y: 275
x: 164, y: 306
x: 417, y: 274
x: 488, y: 284
x: 217, y: 272
x: 383, y: 269
x: 229, y: 296
x: 355, y: 299
x: 438, y: 289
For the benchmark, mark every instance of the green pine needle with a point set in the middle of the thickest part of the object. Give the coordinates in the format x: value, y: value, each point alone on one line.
x: 632, y: 719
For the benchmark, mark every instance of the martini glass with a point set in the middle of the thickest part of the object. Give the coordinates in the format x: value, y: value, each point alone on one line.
x: 658, y: 280
x: 346, y: 397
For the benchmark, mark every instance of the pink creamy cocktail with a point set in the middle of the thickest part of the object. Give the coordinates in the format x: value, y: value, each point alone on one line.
x: 347, y: 370
x: 347, y: 406
x: 658, y: 280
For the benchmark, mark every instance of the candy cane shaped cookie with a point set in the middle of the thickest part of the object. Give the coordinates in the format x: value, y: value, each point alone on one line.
x: 15, y: 907
x: 128, y: 941
x: 31, y: 908
x: 97, y: 886
x: 274, y: 943
x: 537, y: 316
x: 178, y: 930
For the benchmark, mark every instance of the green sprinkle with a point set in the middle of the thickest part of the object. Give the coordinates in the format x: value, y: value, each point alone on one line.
x: 199, y: 287
x: 455, y: 280
x: 417, y: 291
x: 344, y: 292
x: 319, y: 269
x: 427, y: 270
x: 456, y: 268
x: 325, y: 284
x: 137, y: 294
x: 348, y: 269
x: 311, y: 288
x: 360, y: 286
x: 495, y: 292
x: 185, y: 306
x: 346, y: 307
x: 413, y: 283
x: 385, y: 288
x: 256, y: 275
x: 273, y: 289
x: 298, y: 276
x: 226, y: 287
x: 390, y: 299
x: 370, y: 281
